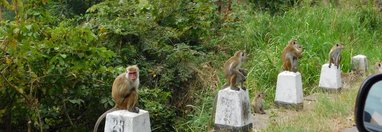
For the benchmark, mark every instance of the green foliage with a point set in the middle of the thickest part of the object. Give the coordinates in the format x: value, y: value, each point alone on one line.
x: 200, y: 119
x: 53, y: 68
x: 369, y: 18
x: 62, y: 61
x: 165, y: 42
x: 59, y: 58
x: 274, y: 6
x: 265, y: 36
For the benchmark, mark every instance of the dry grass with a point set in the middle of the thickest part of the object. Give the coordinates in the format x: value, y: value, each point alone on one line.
x: 323, y: 112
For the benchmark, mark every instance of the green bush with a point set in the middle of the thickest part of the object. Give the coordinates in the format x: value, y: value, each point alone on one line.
x: 58, y: 63
x: 62, y: 66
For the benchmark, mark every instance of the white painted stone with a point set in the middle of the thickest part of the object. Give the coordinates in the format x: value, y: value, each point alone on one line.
x: 125, y: 121
x: 289, y: 88
x: 233, y: 108
x: 330, y: 78
x: 359, y: 63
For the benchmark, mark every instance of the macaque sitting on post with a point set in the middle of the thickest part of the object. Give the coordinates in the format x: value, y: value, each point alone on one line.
x: 334, y: 55
x: 233, y: 72
x: 124, y: 93
x: 291, y: 53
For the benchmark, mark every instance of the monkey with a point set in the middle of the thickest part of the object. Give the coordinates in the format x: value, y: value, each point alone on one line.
x: 258, y: 103
x: 290, y: 54
x: 124, y: 93
x: 240, y: 79
x: 334, y: 54
x: 233, y: 72
x: 378, y: 67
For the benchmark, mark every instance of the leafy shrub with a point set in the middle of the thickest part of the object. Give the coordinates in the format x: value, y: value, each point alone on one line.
x: 63, y: 65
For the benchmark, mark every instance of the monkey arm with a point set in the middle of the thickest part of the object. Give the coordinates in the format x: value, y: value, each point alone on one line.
x: 237, y: 72
x: 234, y: 68
x: 299, y: 55
x: 295, y: 65
x: 289, y: 57
x: 338, y: 60
x: 243, y: 71
x: 128, y: 93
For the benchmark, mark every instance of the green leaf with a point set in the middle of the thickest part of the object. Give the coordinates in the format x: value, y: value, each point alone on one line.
x: 76, y: 101
x: 29, y: 27
x: 63, y: 55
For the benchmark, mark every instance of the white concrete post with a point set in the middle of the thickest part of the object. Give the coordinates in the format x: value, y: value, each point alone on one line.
x: 330, y: 78
x: 359, y: 64
x: 125, y: 121
x: 233, y: 111
x: 289, y: 90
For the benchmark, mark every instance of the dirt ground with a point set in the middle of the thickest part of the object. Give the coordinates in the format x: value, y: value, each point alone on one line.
x: 350, y: 82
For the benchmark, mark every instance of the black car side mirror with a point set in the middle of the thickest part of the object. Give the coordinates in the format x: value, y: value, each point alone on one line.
x: 368, y: 106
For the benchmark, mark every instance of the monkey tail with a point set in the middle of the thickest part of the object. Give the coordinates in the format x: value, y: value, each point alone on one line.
x: 101, y: 118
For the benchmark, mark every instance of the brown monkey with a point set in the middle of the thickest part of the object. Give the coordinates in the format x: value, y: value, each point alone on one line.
x: 258, y: 103
x: 233, y: 72
x: 290, y: 54
x: 124, y: 93
x: 378, y: 67
x: 334, y: 54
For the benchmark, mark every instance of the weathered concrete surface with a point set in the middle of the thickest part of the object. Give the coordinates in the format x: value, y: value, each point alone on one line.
x: 289, y: 89
x: 352, y: 129
x: 330, y: 78
x: 359, y: 64
x: 125, y: 121
x: 233, y: 111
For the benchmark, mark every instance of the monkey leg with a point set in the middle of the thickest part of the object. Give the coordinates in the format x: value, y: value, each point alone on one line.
x: 257, y: 110
x: 132, y: 100
x: 235, y: 88
x: 330, y: 62
x: 287, y: 65
x: 292, y: 62
x: 233, y: 83
x: 243, y: 71
x: 228, y: 83
x: 136, y: 109
x: 262, y: 111
x: 242, y: 85
x: 338, y: 61
x: 294, y: 65
x: 242, y: 79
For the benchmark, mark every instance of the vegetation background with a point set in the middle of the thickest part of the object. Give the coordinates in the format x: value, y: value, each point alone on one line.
x: 59, y: 58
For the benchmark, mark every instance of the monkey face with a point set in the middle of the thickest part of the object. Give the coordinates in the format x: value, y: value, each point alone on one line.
x: 132, y: 72
x: 132, y: 75
x: 378, y: 66
x: 242, y: 55
x: 260, y: 95
x: 340, y: 45
x: 297, y: 47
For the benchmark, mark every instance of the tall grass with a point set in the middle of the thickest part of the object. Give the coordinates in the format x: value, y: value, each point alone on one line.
x: 317, y: 29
